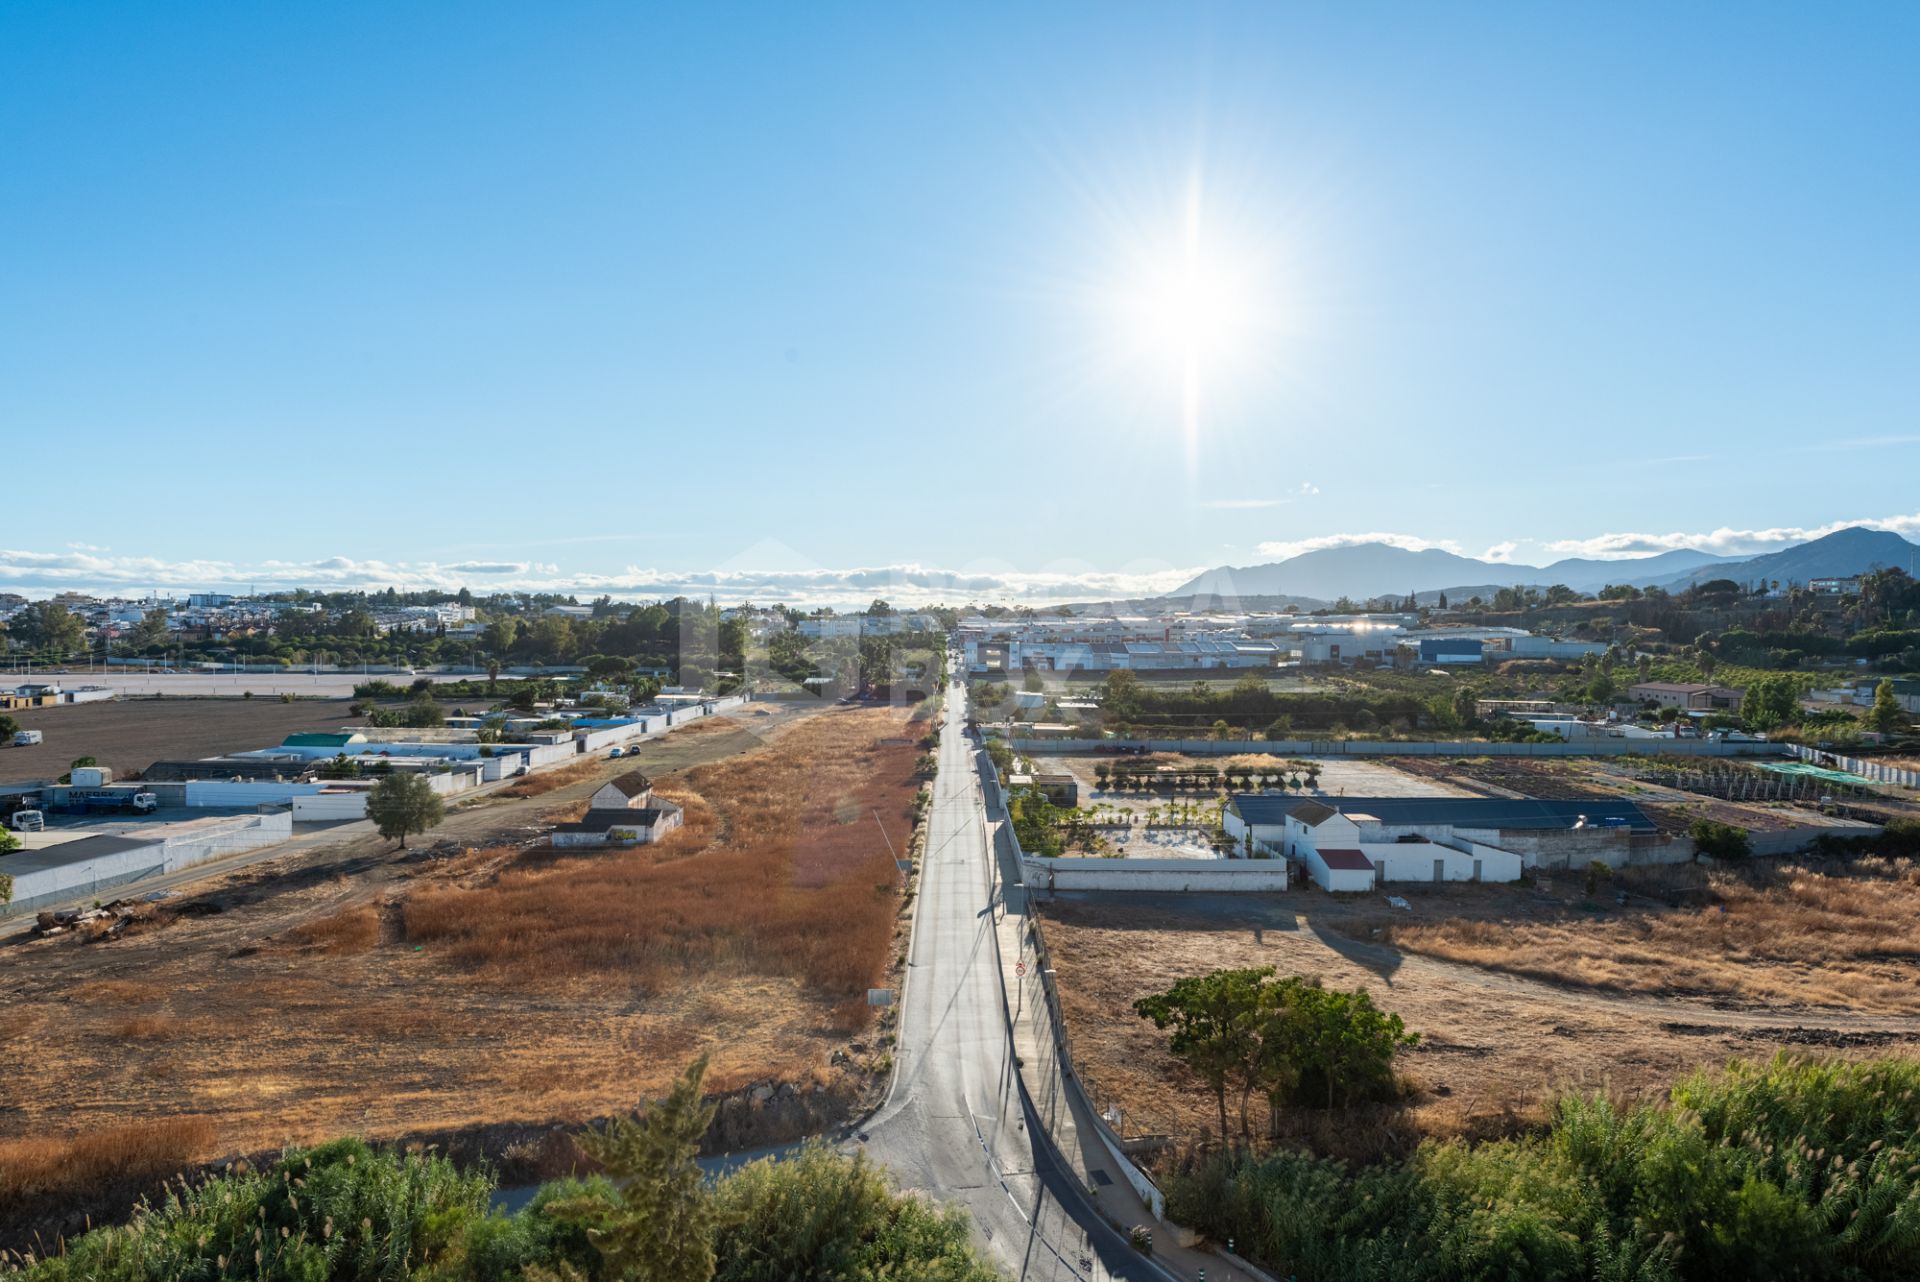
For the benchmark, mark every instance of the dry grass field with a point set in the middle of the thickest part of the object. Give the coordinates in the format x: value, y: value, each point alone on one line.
x: 1844, y: 937
x: 425, y: 993
x: 1628, y: 1001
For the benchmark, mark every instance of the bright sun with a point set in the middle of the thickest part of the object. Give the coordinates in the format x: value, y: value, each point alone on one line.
x: 1189, y: 312
x: 1188, y: 302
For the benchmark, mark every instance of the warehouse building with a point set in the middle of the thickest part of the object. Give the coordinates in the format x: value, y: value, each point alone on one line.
x: 1444, y: 838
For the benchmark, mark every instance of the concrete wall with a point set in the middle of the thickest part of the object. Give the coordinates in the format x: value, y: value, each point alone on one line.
x: 1407, y: 748
x: 1865, y: 767
x: 326, y: 807
x: 1575, y: 848
x: 1791, y: 841
x: 166, y: 853
x: 1336, y: 880
x: 219, y: 792
x: 1229, y: 876
x: 1414, y: 861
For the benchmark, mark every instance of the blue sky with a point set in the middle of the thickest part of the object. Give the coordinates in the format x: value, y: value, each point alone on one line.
x: 818, y: 300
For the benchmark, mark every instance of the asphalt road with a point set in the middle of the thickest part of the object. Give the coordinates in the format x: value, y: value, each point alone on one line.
x: 956, y: 1125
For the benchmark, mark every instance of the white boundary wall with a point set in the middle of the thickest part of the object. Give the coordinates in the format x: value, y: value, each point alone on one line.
x: 165, y: 854
x: 1227, y: 876
x: 326, y: 807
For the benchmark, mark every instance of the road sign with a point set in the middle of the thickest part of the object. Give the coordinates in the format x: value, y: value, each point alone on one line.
x: 1019, y: 968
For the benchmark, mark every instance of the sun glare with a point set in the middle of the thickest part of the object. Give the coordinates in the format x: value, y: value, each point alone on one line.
x: 1189, y: 311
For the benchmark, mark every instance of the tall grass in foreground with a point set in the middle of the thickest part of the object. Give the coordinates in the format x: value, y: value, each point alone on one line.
x: 1793, y: 1169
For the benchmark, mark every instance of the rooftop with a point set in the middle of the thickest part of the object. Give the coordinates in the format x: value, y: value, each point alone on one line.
x: 1460, y: 812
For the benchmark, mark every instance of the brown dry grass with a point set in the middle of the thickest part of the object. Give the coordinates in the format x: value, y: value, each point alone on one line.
x: 1833, y: 935
x: 788, y: 874
x: 352, y: 930
x: 284, y: 1020
x: 46, y: 1168
x: 546, y: 781
x: 1493, y: 1046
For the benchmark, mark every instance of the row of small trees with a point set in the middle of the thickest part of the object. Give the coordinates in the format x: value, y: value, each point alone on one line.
x: 1125, y: 777
x: 1293, y: 1041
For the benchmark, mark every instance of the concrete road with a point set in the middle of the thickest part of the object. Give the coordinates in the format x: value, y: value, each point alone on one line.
x: 956, y: 1125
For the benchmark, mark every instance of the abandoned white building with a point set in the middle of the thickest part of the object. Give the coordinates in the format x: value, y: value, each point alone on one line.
x: 623, y: 812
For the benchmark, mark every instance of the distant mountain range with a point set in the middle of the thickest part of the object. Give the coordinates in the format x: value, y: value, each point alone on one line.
x: 1364, y: 570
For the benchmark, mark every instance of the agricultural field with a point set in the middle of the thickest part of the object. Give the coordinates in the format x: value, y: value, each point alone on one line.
x: 1673, y: 792
x: 1518, y: 992
x: 492, y: 988
x: 133, y: 734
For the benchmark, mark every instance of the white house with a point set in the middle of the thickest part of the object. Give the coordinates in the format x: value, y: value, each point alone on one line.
x: 622, y: 812
x: 1345, y: 845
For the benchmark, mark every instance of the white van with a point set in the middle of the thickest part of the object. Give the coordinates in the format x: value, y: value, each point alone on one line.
x: 26, y: 738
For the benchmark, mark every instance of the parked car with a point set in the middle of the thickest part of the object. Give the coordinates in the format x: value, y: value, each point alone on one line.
x: 27, y: 738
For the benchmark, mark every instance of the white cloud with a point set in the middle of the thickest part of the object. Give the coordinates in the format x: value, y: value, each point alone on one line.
x: 1501, y: 551
x: 1723, y: 541
x: 1411, y: 542
x: 796, y: 583
x: 1304, y: 490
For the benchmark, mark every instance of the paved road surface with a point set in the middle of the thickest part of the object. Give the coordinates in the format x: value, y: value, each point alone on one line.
x: 956, y: 1125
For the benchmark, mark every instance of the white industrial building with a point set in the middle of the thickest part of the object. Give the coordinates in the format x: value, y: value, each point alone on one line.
x: 1355, y: 843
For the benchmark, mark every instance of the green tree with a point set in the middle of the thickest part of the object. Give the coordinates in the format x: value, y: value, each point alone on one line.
x: 1721, y: 841
x: 403, y: 803
x: 1770, y: 702
x: 47, y: 625
x: 663, y: 1228
x: 8, y: 728
x: 1318, y: 1045
x: 1214, y: 1019
x: 148, y: 634
x: 1886, y: 715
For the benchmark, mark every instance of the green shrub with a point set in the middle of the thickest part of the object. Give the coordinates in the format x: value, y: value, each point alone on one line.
x: 1792, y: 1169
x: 1721, y: 841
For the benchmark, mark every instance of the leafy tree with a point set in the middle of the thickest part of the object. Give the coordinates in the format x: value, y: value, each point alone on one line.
x: 8, y: 728
x: 1036, y: 822
x: 663, y: 1226
x: 1214, y: 1019
x: 1721, y: 841
x: 1886, y: 715
x: 148, y: 634
x: 1770, y: 702
x: 403, y: 803
x: 47, y: 625
x: 1318, y: 1043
